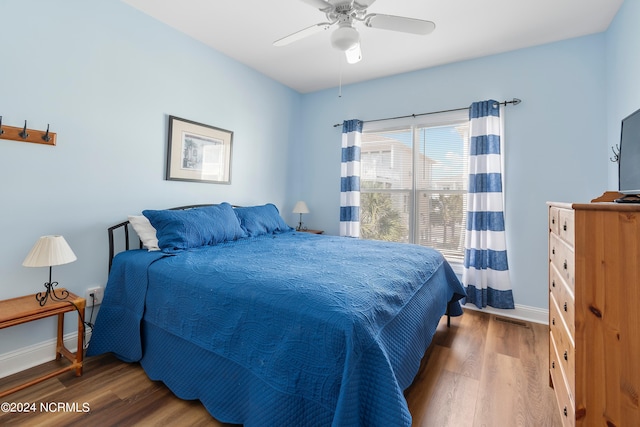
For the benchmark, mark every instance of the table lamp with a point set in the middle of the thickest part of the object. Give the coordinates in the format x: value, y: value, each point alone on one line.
x: 300, y: 208
x: 47, y: 252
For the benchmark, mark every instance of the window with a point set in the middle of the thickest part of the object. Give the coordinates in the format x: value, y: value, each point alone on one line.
x: 414, y: 181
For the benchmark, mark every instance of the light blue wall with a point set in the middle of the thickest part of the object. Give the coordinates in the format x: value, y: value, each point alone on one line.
x: 106, y: 76
x: 623, y: 76
x: 554, y: 137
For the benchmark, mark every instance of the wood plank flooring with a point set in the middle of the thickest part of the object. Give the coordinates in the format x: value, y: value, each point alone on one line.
x: 480, y: 372
x: 485, y: 371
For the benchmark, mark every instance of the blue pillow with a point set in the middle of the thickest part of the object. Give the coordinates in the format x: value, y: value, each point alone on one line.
x: 259, y: 220
x: 178, y: 230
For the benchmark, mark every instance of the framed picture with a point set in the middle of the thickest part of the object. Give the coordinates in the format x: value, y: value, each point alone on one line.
x: 198, y: 152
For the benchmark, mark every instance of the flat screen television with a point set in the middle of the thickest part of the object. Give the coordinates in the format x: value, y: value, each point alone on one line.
x: 629, y: 159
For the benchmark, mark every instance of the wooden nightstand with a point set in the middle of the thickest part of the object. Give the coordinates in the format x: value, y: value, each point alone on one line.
x: 25, y: 309
x: 312, y: 231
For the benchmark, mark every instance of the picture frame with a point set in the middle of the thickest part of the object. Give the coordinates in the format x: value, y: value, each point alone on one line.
x: 198, y: 152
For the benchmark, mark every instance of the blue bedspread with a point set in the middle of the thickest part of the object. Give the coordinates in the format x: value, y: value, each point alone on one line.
x: 330, y: 330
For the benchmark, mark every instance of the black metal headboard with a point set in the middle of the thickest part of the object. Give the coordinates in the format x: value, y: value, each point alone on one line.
x: 125, y: 226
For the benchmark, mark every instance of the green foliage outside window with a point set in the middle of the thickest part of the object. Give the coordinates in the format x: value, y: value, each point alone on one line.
x: 378, y: 218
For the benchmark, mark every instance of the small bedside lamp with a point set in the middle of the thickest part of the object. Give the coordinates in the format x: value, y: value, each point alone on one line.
x: 47, y: 252
x: 300, y: 208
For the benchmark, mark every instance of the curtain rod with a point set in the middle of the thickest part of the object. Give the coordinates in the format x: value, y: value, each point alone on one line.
x: 514, y: 101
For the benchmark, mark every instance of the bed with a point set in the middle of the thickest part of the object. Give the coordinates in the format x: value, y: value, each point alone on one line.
x: 268, y: 326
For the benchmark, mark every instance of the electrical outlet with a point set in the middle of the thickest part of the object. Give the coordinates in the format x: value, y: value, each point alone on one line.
x: 96, y: 299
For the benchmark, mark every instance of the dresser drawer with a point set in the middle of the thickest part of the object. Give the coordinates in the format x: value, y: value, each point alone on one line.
x: 566, y: 226
x: 565, y: 299
x: 567, y: 411
x: 564, y: 345
x: 561, y: 255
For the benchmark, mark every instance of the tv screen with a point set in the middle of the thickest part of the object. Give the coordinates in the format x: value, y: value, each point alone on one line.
x: 629, y: 158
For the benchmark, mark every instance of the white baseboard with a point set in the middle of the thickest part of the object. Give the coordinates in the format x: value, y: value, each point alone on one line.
x: 37, y: 354
x: 521, y: 312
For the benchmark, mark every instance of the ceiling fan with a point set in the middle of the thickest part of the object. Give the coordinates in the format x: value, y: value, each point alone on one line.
x: 345, y: 13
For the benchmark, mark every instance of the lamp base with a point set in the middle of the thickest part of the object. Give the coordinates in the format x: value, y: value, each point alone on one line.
x: 42, y: 297
x: 300, y: 227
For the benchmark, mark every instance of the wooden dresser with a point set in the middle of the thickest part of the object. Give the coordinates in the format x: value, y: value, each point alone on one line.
x: 594, y: 312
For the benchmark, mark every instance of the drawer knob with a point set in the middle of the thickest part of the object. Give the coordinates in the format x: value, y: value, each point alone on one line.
x: 553, y: 321
x: 565, y: 306
x: 564, y: 411
x: 553, y: 364
x: 553, y: 283
x: 566, y: 356
x: 564, y: 227
x: 565, y: 264
x: 553, y: 250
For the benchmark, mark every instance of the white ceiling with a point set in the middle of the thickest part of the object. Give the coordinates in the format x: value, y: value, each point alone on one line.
x: 465, y: 29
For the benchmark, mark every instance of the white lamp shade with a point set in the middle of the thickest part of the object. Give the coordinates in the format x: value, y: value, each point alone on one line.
x: 48, y: 251
x: 301, y: 208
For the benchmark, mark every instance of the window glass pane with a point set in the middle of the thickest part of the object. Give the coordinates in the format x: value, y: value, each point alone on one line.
x: 414, y: 183
x: 386, y: 176
x: 440, y: 208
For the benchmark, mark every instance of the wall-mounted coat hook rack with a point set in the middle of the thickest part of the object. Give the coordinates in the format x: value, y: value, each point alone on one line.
x: 23, y: 134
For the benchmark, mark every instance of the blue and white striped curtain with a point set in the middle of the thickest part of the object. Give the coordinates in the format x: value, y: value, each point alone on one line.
x: 486, y: 270
x: 350, y: 179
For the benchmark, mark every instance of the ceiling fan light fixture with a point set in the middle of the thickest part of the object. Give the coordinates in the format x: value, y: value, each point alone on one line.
x: 345, y: 38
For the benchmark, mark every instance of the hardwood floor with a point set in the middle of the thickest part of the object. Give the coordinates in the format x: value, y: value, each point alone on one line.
x: 485, y: 371
x: 480, y: 372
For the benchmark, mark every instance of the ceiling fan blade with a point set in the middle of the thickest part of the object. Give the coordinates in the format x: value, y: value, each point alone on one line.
x: 363, y: 4
x: 319, y: 4
x: 306, y: 32
x: 354, y: 55
x: 399, y: 23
